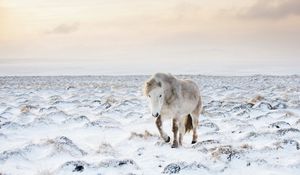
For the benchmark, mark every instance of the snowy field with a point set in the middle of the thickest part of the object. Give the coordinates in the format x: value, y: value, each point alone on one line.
x: 102, y: 125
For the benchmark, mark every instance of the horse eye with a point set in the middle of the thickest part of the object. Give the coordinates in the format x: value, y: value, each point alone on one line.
x: 159, y: 96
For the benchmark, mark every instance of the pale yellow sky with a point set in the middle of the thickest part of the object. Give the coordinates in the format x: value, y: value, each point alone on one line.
x: 142, y: 36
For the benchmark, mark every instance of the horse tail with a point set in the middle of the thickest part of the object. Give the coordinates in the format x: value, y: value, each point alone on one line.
x: 188, y: 123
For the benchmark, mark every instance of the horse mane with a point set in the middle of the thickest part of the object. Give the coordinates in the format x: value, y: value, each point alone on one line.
x: 167, y: 81
x: 149, y: 85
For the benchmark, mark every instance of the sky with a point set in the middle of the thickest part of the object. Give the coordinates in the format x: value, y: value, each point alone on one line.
x: 95, y: 37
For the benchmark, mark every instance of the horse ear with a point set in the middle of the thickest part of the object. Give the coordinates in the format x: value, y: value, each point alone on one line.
x: 150, y: 82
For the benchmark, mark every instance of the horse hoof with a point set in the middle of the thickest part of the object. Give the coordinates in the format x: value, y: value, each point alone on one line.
x: 168, y: 140
x: 193, y: 142
x: 174, y: 146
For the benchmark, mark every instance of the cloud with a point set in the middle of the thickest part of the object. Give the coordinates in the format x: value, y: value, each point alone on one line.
x: 272, y: 9
x: 64, y: 29
x: 186, y: 10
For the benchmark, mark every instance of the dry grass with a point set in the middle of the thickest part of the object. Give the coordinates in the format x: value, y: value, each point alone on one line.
x: 226, y: 150
x: 145, y: 136
x: 246, y: 146
x: 25, y: 109
x: 256, y: 99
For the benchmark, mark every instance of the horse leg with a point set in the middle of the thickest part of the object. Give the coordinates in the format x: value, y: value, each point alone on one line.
x: 181, y: 131
x: 195, y: 125
x: 161, y: 132
x: 195, y: 117
x: 175, y: 132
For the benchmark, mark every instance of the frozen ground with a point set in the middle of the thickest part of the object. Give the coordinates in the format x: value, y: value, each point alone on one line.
x: 102, y: 125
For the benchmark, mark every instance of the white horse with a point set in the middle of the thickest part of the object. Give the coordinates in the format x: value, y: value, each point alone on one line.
x: 176, y: 99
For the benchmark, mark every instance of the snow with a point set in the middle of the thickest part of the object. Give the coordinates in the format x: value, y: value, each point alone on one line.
x: 102, y: 125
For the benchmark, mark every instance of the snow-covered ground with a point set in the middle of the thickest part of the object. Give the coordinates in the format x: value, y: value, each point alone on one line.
x: 102, y: 125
